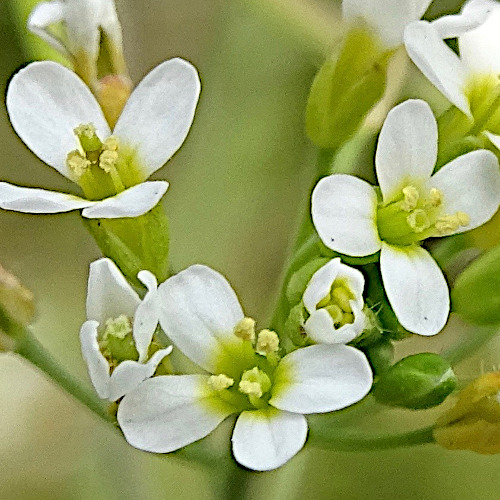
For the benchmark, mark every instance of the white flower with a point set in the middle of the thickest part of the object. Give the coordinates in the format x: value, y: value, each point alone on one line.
x: 334, y: 300
x: 478, y: 31
x: 59, y: 119
x: 387, y: 17
x: 201, y: 314
x: 415, y: 205
x: 84, y: 21
x: 122, y: 326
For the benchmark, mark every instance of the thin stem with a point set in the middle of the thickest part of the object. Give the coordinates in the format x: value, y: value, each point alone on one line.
x: 339, y: 439
x: 466, y: 348
x: 30, y: 349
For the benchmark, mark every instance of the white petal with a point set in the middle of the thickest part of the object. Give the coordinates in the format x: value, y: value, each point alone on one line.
x: 416, y: 288
x: 198, y: 312
x: 109, y: 295
x: 129, y: 374
x: 266, y: 439
x: 438, y: 63
x: 146, y: 315
x: 166, y: 413
x: 42, y: 16
x: 159, y: 113
x: 321, y: 378
x: 97, y: 364
x: 407, y: 147
x: 470, y: 184
x: 46, y: 102
x: 132, y: 202
x: 321, y: 329
x: 480, y: 48
x: 344, y: 214
x: 471, y: 17
x: 322, y: 280
x: 38, y: 201
x: 388, y: 17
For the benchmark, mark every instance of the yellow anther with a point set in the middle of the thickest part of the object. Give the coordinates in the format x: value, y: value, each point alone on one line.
x: 335, y: 312
x: 254, y: 382
x: 342, y: 297
x: 220, y: 382
x: 118, y: 327
x: 267, y: 342
x: 411, y: 196
x: 463, y: 218
x: 77, y: 163
x: 110, y: 144
x: 107, y: 160
x: 245, y: 329
x: 324, y: 301
x: 435, y: 198
x: 347, y: 319
x: 418, y: 220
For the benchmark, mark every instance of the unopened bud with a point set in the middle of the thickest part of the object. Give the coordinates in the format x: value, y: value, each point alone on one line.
x: 417, y: 382
x: 112, y: 93
x: 16, y: 301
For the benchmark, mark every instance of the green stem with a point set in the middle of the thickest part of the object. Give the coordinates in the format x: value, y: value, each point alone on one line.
x: 466, y: 348
x: 338, y: 439
x: 30, y: 349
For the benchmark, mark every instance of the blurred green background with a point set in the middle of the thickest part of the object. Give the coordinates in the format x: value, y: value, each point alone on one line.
x: 236, y: 189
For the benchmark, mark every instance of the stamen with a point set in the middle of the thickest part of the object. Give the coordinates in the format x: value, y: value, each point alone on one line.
x: 335, y: 312
x: 435, y: 199
x: 448, y: 224
x: 254, y: 383
x: 411, y: 196
x: 245, y: 329
x: 108, y: 160
x: 267, y: 342
x: 418, y: 220
x: 118, y: 327
x: 220, y: 382
x: 77, y: 163
x: 342, y: 297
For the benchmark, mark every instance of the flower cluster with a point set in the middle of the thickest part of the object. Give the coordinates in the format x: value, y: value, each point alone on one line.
x: 370, y: 272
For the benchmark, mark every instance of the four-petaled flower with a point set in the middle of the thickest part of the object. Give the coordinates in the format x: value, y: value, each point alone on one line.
x: 201, y: 314
x: 334, y: 300
x: 58, y: 118
x: 469, y: 79
x: 116, y: 338
x: 415, y: 205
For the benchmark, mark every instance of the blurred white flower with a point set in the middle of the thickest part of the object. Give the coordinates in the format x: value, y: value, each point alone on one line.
x: 58, y: 118
x: 121, y: 326
x: 415, y: 205
x: 334, y: 300
x: 201, y: 314
x: 387, y: 18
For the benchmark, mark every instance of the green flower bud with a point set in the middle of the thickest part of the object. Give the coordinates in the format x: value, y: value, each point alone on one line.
x: 476, y: 294
x: 346, y: 88
x: 417, y: 382
x: 300, y: 279
x: 294, y: 325
x: 135, y: 244
x: 380, y: 356
x: 16, y: 301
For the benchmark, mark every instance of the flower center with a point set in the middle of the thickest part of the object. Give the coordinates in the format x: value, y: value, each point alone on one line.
x: 247, y: 367
x: 102, y: 169
x: 337, y: 303
x: 116, y: 341
x: 414, y: 215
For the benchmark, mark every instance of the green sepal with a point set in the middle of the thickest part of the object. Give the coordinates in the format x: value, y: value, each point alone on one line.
x: 300, y: 279
x: 380, y: 356
x: 347, y: 259
x: 346, y: 88
x: 378, y: 302
x: 416, y: 382
x: 294, y: 325
x: 476, y: 294
x: 135, y: 244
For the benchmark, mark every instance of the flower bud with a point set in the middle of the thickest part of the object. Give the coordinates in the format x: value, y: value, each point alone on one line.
x: 473, y: 423
x: 346, y: 88
x: 476, y: 294
x: 380, y: 356
x: 16, y: 301
x: 417, y: 382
